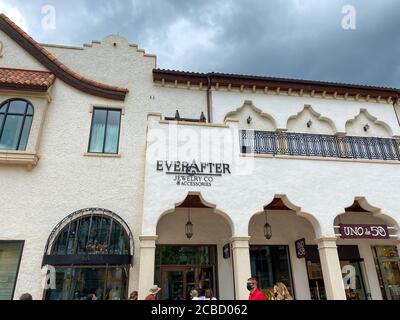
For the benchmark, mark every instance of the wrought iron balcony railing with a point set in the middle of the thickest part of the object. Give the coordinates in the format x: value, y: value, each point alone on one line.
x: 318, y: 145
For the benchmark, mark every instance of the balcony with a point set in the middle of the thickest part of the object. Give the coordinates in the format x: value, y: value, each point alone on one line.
x: 318, y: 145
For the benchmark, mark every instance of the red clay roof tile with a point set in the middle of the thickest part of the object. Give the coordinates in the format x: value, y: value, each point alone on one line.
x: 26, y: 79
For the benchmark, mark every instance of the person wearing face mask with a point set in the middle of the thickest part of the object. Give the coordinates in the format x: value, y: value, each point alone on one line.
x: 255, y: 293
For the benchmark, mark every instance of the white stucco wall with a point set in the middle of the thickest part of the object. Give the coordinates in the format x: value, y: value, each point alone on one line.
x: 65, y: 180
x: 14, y: 57
x: 320, y: 188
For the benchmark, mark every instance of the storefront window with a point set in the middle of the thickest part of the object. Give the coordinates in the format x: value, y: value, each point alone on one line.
x: 388, y: 268
x: 91, y: 255
x: 108, y: 283
x: 271, y: 264
x: 10, y: 256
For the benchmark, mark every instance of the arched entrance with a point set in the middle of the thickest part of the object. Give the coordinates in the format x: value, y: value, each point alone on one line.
x: 367, y: 251
x: 190, y: 251
x: 273, y: 251
x: 91, y: 253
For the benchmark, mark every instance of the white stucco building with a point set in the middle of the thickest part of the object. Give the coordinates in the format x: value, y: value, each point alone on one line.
x: 116, y: 175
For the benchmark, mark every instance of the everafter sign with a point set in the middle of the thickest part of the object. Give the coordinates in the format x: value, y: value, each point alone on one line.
x: 193, y: 174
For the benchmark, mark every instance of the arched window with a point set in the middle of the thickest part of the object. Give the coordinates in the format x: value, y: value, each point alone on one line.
x: 16, y: 117
x: 91, y: 251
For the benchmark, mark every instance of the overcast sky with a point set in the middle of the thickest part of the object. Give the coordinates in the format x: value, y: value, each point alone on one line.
x: 282, y: 38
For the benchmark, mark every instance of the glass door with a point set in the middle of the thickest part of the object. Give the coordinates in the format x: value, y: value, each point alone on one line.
x: 177, y: 282
x: 388, y: 267
x: 359, y: 292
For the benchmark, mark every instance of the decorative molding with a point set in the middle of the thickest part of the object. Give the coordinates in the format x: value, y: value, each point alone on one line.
x: 102, y: 155
x: 249, y: 104
x: 373, y: 119
x: 10, y: 157
x: 308, y: 108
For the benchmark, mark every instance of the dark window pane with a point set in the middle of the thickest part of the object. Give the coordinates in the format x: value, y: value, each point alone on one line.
x: 17, y: 106
x: 83, y: 235
x: 98, y: 131
x: 112, y: 135
x: 10, y: 254
x: 11, y: 132
x: 270, y: 264
x: 25, y: 134
x: 78, y: 283
x: 29, y: 112
x: 93, y: 237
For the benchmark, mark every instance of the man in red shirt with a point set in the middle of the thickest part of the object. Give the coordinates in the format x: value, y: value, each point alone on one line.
x: 255, y: 293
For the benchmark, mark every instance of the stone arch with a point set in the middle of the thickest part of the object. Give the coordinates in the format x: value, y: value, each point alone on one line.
x: 259, y: 120
x: 282, y: 202
x: 205, y: 203
x: 364, y: 124
x: 363, y: 208
x: 310, y: 121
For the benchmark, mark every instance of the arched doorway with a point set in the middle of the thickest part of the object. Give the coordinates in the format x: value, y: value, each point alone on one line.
x: 91, y: 253
x: 367, y: 251
x: 187, y: 261
x: 273, y: 253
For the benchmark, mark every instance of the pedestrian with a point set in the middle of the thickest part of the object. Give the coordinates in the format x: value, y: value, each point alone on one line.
x: 281, y: 292
x: 26, y: 296
x: 255, y: 293
x: 154, y: 290
x: 195, y: 294
x: 210, y: 295
x: 133, y: 295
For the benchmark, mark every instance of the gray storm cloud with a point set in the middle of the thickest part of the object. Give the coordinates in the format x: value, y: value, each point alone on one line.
x: 282, y: 38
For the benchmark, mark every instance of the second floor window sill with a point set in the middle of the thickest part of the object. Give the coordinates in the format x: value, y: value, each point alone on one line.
x: 12, y: 157
x: 102, y: 155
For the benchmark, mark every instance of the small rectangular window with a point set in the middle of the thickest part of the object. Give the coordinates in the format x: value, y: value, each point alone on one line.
x: 104, y: 134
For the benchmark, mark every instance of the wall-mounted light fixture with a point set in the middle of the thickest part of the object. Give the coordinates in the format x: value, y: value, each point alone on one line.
x: 267, y: 227
x: 249, y: 120
x: 309, y: 124
x: 366, y: 127
x: 189, y: 227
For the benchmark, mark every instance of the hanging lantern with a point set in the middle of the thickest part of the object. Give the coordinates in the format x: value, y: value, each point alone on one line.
x: 189, y: 227
x: 267, y: 228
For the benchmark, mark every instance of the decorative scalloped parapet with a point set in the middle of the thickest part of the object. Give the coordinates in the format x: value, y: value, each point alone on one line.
x: 116, y: 40
x: 364, y: 124
x: 310, y: 121
x: 252, y: 118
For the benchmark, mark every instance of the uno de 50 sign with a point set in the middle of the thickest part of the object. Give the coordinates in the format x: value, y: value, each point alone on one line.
x: 364, y: 231
x: 193, y: 174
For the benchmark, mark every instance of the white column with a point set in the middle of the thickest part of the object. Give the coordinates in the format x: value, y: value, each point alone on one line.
x: 146, y: 265
x: 241, y: 266
x: 331, y: 270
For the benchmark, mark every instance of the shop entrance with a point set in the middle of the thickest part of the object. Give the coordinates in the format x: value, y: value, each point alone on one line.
x: 180, y: 269
x: 350, y: 262
x: 178, y: 282
x: 388, y: 268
